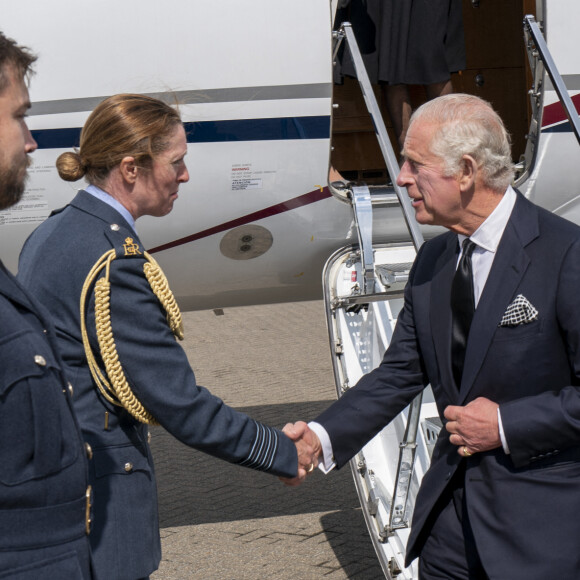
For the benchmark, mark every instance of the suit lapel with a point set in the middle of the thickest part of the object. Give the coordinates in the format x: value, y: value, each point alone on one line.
x: 440, y: 312
x: 509, y: 266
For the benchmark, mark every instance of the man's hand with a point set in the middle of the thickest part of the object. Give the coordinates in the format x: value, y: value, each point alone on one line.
x: 308, y: 448
x: 474, y: 428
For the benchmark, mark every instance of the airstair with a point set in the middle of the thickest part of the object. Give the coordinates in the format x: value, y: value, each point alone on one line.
x: 363, y: 288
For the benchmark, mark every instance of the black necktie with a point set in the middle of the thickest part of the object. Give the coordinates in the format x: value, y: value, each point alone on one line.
x: 462, y: 309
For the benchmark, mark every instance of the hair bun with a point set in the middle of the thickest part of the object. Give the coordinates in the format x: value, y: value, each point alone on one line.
x: 70, y: 167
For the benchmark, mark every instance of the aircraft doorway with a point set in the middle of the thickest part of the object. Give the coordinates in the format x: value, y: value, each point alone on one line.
x: 496, y: 70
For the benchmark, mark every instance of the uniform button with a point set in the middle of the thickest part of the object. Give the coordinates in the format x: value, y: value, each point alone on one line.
x: 128, y: 467
x: 40, y: 360
x: 115, y: 227
x: 88, y: 451
x: 148, y: 436
x: 70, y: 389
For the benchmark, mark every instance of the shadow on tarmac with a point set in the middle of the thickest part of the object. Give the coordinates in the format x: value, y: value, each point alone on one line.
x: 195, y: 488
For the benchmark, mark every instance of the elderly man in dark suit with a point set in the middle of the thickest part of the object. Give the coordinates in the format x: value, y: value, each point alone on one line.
x: 491, y: 320
x: 44, y: 494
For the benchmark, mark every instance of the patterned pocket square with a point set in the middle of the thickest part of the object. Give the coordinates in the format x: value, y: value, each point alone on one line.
x: 520, y: 311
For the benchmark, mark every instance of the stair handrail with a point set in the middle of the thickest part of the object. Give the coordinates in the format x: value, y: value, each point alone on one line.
x: 533, y: 29
x: 407, y: 447
x: 381, y: 133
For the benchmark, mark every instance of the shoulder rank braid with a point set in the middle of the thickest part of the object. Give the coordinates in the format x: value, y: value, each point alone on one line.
x: 114, y: 386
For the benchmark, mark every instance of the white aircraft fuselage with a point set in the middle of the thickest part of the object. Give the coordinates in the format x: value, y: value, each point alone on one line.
x: 256, y: 222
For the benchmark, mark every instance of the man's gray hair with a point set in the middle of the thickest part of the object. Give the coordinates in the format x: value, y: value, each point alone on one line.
x: 468, y: 125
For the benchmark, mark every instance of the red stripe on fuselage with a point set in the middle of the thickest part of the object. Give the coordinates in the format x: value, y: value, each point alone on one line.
x: 295, y: 203
x: 555, y: 113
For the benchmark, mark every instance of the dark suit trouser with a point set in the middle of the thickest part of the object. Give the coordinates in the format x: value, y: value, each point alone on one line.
x: 449, y: 551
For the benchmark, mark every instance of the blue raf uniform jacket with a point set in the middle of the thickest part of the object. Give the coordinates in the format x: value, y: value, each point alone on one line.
x: 43, y: 471
x: 53, y: 265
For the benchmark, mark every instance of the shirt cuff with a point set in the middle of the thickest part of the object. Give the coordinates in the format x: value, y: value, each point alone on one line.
x: 327, y: 464
x: 502, y: 434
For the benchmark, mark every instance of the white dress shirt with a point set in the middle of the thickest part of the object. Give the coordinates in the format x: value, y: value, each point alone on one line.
x: 487, y: 237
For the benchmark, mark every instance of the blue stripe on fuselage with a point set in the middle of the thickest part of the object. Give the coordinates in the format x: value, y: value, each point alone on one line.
x: 278, y: 129
x: 564, y: 127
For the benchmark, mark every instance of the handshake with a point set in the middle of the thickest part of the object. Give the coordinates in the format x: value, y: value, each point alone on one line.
x: 308, y: 448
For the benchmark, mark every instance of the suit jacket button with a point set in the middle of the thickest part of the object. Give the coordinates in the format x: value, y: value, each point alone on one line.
x: 40, y: 360
x: 128, y: 467
x: 88, y: 451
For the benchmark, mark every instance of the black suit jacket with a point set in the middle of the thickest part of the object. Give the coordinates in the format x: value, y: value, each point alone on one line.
x: 522, y: 506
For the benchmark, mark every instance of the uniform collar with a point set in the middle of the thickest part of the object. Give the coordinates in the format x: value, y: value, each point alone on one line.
x: 111, y: 201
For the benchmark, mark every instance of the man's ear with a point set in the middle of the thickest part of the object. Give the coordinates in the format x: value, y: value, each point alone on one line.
x: 128, y: 169
x: 468, y: 173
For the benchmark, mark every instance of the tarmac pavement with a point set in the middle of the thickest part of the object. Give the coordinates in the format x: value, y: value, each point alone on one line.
x: 224, y: 522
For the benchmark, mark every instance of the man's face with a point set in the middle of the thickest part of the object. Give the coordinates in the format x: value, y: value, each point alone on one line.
x: 435, y: 197
x: 16, y: 142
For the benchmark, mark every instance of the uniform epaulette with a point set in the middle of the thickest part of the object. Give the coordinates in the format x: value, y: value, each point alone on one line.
x: 124, y: 242
x: 57, y: 210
